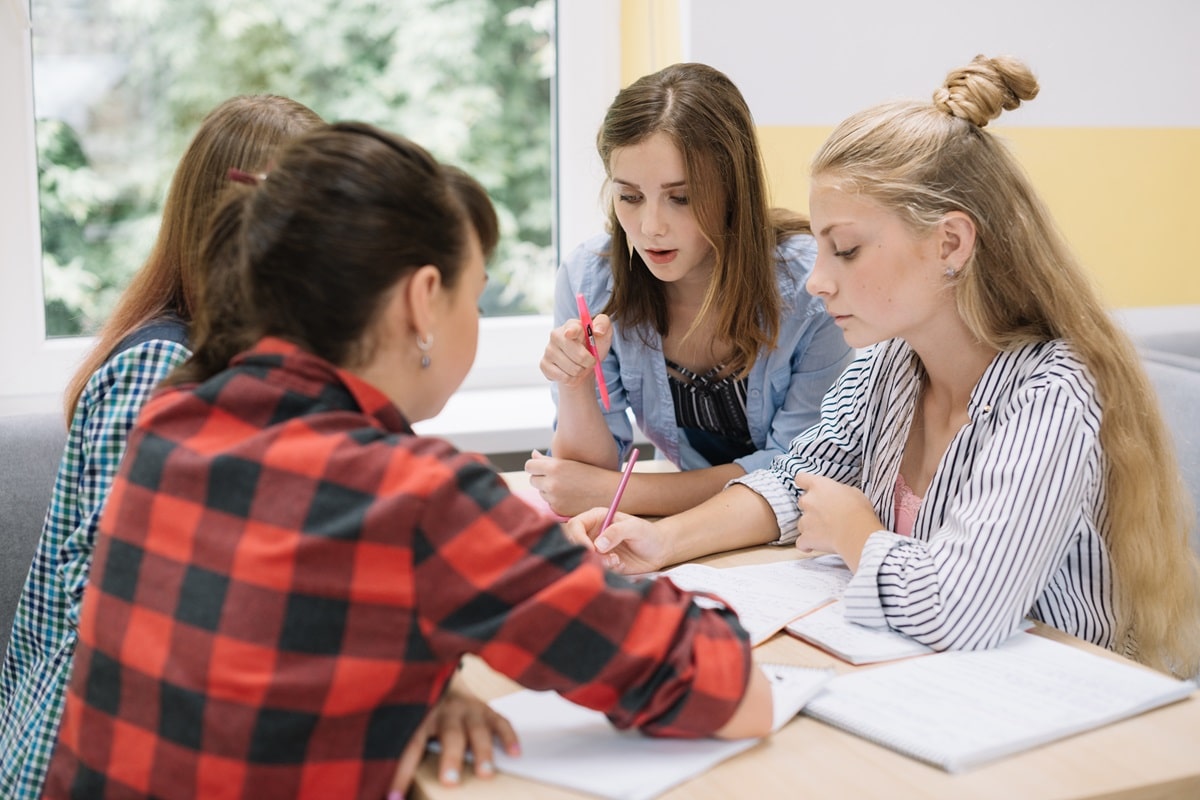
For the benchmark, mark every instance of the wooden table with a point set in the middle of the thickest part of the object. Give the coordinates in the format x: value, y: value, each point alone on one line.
x: 1154, y: 755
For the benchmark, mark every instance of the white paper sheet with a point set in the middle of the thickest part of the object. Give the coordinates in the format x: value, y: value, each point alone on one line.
x: 577, y: 748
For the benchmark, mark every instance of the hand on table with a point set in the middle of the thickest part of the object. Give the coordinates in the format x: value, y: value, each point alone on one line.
x: 834, y: 518
x: 461, y: 723
x: 570, y: 487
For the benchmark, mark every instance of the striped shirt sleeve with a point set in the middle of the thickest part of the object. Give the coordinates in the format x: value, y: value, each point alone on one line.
x: 1005, y: 532
x: 832, y: 447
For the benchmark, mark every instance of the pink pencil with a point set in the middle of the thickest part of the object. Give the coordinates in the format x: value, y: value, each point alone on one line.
x: 589, y: 342
x: 612, y: 510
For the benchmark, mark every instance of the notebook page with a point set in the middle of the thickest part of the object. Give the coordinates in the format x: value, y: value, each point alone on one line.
x: 766, y: 596
x: 828, y: 629
x: 575, y: 747
x: 962, y: 708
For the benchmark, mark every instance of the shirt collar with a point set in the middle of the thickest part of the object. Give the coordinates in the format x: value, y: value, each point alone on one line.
x: 292, y: 358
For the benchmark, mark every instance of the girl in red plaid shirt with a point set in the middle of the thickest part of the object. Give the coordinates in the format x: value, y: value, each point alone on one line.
x: 287, y: 576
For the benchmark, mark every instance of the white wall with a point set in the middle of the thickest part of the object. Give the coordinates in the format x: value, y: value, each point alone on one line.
x: 1100, y: 62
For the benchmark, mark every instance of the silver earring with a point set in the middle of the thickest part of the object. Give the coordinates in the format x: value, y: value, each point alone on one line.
x: 425, y: 344
x: 951, y: 272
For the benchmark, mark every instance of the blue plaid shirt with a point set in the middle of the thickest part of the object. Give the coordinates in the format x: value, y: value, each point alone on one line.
x: 37, y: 667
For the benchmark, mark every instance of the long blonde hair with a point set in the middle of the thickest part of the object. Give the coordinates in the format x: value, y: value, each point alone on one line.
x: 242, y: 132
x: 1024, y: 285
x: 707, y: 118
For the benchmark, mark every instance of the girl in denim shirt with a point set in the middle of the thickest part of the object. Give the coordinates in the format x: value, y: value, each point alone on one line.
x: 702, y: 325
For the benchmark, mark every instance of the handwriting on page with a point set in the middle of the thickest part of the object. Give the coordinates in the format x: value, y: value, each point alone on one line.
x: 766, y: 596
x: 828, y: 628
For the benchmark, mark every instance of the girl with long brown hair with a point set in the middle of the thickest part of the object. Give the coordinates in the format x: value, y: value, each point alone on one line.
x: 707, y: 336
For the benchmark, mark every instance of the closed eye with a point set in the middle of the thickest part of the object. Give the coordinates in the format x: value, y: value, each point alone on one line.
x: 847, y: 254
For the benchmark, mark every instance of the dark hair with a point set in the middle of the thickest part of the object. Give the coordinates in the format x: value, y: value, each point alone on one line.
x: 242, y: 132
x: 707, y: 118
x: 478, y: 206
x: 310, y: 253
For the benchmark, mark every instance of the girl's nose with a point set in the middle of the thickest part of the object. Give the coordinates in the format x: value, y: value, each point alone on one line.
x: 653, y: 223
x: 819, y: 283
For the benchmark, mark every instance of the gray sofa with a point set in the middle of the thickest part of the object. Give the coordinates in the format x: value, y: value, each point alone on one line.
x: 1172, y: 361
x: 30, y: 448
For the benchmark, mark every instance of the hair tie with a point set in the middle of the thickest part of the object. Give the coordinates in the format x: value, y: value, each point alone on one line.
x: 248, y: 178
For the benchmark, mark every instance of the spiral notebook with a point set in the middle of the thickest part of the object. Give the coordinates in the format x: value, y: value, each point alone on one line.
x: 959, y: 709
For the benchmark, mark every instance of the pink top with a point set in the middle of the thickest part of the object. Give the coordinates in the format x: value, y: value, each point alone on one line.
x: 907, y: 506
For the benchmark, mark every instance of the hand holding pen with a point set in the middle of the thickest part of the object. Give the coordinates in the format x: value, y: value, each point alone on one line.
x: 627, y: 544
x: 570, y: 346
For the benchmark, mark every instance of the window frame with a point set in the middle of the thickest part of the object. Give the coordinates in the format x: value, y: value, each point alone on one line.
x: 37, y: 369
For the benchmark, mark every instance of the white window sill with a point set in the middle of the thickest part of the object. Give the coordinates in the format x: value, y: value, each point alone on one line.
x: 508, y: 420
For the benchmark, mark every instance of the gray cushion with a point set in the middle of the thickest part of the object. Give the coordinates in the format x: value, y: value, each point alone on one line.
x: 1178, y: 389
x: 31, y: 446
x: 1179, y: 343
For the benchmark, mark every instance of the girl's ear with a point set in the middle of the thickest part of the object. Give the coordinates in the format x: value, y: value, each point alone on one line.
x: 957, y: 232
x: 421, y: 295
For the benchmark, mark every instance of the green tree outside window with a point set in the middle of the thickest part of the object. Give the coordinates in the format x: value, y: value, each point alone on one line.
x: 121, y: 85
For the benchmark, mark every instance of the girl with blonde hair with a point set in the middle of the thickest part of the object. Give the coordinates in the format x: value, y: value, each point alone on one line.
x: 997, y: 453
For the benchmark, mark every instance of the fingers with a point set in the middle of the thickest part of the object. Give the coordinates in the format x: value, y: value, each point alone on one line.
x: 410, y: 759
x: 602, y: 332
x: 566, y: 358
x: 581, y: 528
x: 536, y: 463
x: 453, y: 741
x: 482, y: 732
x: 613, y: 535
x: 503, y: 730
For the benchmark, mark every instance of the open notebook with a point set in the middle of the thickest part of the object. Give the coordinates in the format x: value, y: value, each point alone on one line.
x: 959, y: 709
x: 828, y: 629
x: 766, y: 597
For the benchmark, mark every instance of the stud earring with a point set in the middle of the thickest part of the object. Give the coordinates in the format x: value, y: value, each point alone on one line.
x: 425, y: 344
x: 951, y: 272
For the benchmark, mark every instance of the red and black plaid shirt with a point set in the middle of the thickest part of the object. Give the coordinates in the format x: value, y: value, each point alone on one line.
x: 286, y: 577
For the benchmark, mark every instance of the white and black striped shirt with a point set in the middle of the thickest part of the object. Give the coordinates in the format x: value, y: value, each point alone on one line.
x: 1010, y: 525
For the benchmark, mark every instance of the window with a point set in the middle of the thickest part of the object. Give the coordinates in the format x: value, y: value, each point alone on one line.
x: 481, y: 98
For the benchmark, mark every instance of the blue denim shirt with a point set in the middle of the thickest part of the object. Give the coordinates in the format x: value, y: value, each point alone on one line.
x: 785, y: 385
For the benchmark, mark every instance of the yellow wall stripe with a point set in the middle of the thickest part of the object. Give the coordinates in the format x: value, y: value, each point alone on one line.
x: 649, y: 37
x: 1123, y: 197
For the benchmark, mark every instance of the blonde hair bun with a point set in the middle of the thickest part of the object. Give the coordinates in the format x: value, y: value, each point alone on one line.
x: 979, y: 91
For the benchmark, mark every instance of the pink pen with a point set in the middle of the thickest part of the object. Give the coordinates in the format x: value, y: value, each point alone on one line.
x: 590, y: 343
x: 612, y: 510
